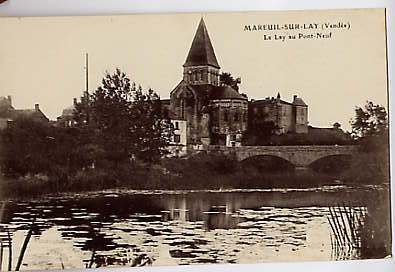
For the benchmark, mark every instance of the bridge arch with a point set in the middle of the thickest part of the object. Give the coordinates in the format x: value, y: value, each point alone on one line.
x: 332, y: 163
x: 266, y: 163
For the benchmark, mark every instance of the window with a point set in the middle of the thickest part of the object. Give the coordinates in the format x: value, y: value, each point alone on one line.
x: 177, y: 138
x: 215, y: 116
x: 190, y: 75
x: 236, y: 116
x: 182, y: 109
x: 176, y: 125
x: 225, y: 115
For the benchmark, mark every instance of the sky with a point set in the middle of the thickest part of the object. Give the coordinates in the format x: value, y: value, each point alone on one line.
x: 42, y: 58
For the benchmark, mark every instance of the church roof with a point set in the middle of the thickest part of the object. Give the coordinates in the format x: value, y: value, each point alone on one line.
x: 202, y: 51
x: 225, y: 92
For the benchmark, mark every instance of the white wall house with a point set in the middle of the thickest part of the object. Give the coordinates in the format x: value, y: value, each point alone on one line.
x: 233, y: 140
x: 178, y: 143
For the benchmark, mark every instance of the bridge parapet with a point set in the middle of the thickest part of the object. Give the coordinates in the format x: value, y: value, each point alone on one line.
x: 299, y: 155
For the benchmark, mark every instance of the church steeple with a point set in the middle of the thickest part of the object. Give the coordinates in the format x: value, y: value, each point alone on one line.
x: 201, y: 65
x: 202, y: 51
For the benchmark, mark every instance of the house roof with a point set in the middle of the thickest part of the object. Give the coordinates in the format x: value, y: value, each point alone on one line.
x: 201, y: 51
x: 29, y: 113
x: 268, y: 101
x: 225, y: 92
x: 299, y: 102
x: 327, y: 133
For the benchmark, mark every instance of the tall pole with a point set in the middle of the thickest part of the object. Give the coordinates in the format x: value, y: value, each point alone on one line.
x: 86, y: 74
x: 87, y: 99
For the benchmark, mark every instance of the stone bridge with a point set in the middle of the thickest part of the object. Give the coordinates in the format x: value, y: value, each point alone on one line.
x: 301, y: 156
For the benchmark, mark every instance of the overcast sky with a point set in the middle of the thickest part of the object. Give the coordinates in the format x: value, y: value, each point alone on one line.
x: 42, y: 59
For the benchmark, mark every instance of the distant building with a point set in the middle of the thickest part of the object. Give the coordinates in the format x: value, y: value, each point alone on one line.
x: 285, y: 117
x: 67, y: 117
x: 8, y: 113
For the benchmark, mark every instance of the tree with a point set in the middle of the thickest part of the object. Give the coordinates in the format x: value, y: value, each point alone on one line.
x: 83, y: 110
x: 152, y: 129
x: 370, y: 131
x: 369, y: 121
x: 33, y: 147
x: 110, y: 117
x: 227, y: 79
x: 126, y: 121
x: 24, y: 147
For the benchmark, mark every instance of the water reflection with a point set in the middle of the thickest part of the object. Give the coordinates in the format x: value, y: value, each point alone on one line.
x: 174, y: 228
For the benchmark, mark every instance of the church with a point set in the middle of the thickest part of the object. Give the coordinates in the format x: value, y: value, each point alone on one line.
x: 213, y: 113
x: 206, y: 111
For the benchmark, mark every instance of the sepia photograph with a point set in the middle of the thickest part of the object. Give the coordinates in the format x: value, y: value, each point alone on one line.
x: 194, y: 138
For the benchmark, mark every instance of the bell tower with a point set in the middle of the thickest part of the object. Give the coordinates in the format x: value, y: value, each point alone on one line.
x: 201, y: 66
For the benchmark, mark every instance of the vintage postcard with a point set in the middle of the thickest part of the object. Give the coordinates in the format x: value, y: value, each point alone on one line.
x: 180, y: 139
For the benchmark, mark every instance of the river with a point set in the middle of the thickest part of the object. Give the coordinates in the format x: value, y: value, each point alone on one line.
x: 115, y: 228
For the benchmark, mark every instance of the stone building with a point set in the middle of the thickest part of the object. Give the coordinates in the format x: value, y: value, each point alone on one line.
x: 214, y: 113
x: 284, y: 117
x: 8, y: 113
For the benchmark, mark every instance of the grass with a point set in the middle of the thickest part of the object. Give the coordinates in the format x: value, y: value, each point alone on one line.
x: 362, y: 231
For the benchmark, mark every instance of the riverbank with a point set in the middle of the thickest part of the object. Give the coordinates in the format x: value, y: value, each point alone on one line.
x: 37, y: 186
x: 199, y: 172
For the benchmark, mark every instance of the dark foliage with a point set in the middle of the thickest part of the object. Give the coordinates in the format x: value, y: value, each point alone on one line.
x: 369, y: 120
x: 370, y: 131
x: 227, y: 79
x: 115, y: 129
x: 127, y: 123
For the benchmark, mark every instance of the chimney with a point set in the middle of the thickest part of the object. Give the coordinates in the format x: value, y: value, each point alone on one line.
x: 9, y: 99
x: 295, y: 96
x: 37, y: 107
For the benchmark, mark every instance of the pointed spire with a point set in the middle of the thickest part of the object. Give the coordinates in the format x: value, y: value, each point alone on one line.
x: 278, y: 95
x: 202, y: 51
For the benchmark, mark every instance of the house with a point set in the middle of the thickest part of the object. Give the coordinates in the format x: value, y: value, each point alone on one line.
x: 178, y: 141
x: 285, y: 117
x: 8, y: 113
